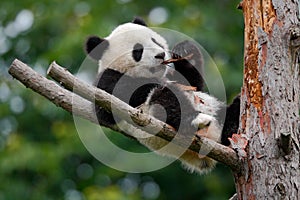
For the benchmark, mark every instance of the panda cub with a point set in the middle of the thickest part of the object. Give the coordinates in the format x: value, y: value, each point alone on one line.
x: 134, y: 65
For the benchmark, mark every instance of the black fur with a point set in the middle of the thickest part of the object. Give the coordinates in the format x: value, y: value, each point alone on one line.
x: 160, y: 55
x: 191, y: 72
x: 180, y: 112
x: 137, y: 52
x: 194, y: 77
x: 158, y: 44
x: 131, y: 90
x: 231, y: 124
x: 95, y: 47
x: 139, y: 20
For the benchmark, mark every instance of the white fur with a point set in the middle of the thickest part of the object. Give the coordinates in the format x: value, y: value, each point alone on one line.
x: 190, y: 160
x: 210, y: 104
x: 118, y: 55
x: 208, y: 108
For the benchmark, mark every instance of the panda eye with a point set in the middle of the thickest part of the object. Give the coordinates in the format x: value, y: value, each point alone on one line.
x: 137, y: 52
x: 157, y: 43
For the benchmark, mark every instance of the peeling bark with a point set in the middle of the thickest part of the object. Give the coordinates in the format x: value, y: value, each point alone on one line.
x: 270, y: 101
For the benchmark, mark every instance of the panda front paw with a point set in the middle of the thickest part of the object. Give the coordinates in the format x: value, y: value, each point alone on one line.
x: 202, y: 121
x: 208, y: 126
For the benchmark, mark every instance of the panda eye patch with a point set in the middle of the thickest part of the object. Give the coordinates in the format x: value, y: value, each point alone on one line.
x: 137, y: 52
x: 155, y: 41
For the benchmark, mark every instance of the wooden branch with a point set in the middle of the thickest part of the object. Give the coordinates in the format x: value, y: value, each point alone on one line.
x: 53, y: 92
x: 105, y: 100
x: 65, y: 99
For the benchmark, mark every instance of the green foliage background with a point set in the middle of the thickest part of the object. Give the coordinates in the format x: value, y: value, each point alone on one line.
x: 41, y: 155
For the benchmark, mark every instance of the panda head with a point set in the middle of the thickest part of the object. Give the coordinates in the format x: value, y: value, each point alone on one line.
x: 131, y: 48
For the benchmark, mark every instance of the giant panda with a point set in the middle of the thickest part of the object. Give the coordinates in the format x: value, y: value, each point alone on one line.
x: 131, y: 67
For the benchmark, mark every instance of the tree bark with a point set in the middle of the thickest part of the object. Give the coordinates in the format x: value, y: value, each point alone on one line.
x: 270, y: 101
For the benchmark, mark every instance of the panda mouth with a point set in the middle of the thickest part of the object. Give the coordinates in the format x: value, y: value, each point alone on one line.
x: 173, y: 60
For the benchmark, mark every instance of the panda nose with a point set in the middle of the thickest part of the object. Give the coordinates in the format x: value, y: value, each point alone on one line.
x: 160, y: 55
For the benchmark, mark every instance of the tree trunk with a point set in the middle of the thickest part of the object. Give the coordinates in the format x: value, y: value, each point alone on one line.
x: 270, y: 101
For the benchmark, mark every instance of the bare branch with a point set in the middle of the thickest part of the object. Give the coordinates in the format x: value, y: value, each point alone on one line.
x: 107, y: 101
x: 84, y: 109
x: 65, y: 99
x: 53, y: 92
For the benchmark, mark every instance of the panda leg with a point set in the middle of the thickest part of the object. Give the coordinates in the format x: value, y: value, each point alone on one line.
x: 231, y: 124
x: 188, y: 71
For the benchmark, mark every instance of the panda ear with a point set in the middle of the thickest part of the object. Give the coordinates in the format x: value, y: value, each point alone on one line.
x: 139, y: 20
x: 95, y: 47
